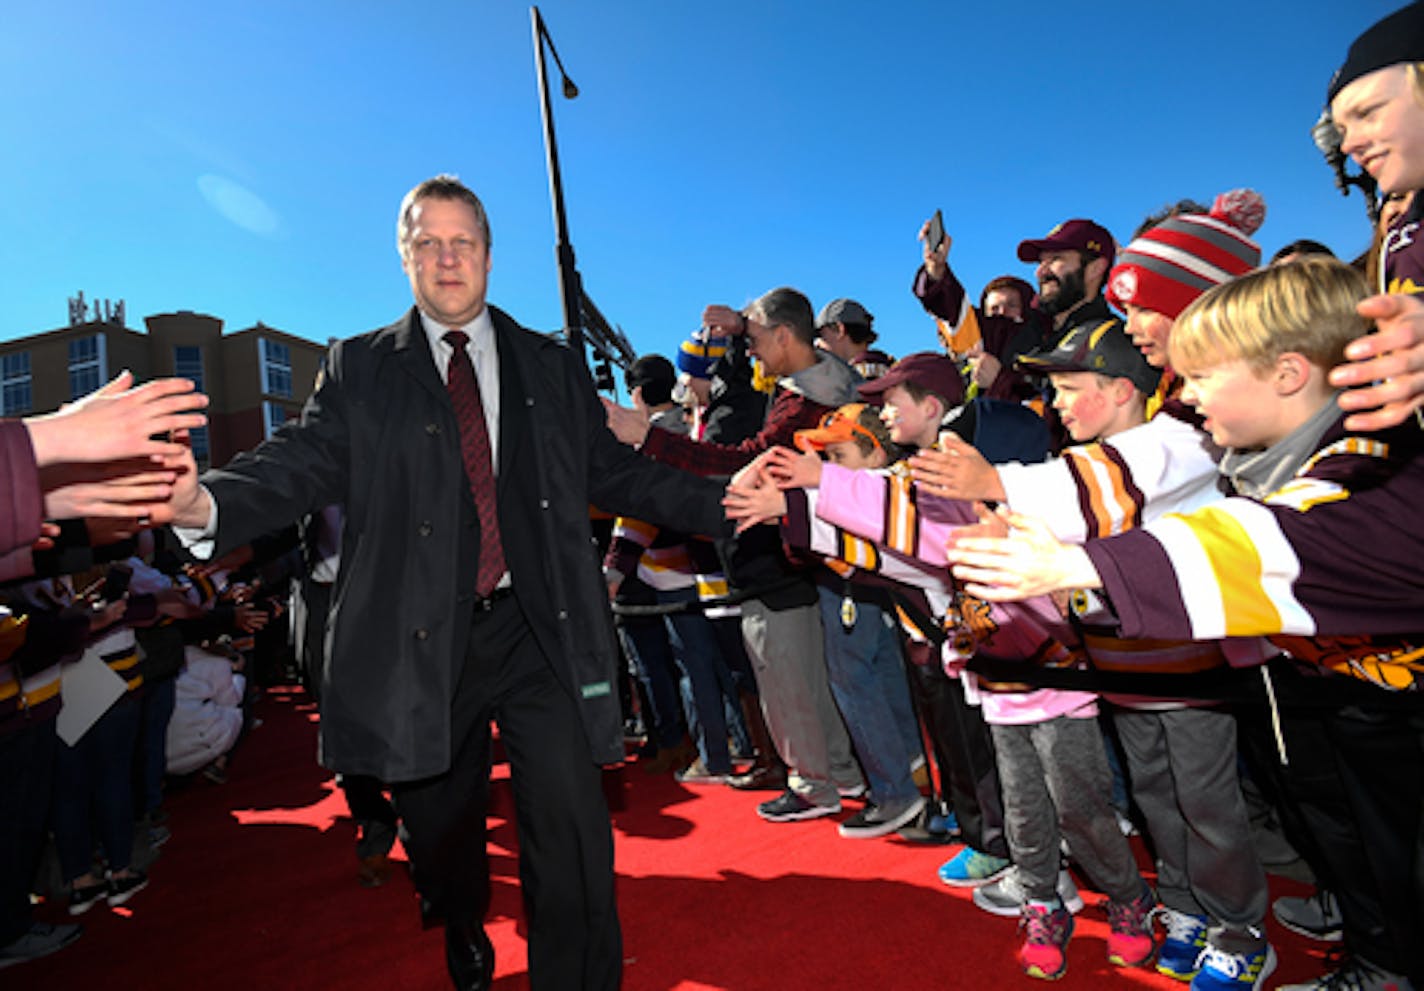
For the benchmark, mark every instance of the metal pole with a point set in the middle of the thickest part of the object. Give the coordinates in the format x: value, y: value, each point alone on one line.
x: 569, y: 289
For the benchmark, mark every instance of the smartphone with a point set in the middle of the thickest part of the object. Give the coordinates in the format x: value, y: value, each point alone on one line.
x: 934, y: 237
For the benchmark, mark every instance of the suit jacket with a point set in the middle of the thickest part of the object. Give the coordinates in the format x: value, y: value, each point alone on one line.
x: 379, y: 435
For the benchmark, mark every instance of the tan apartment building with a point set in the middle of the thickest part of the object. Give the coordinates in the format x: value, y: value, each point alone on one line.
x: 256, y: 378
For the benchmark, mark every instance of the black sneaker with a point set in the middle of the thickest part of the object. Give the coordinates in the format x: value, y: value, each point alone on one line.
x: 1316, y: 916
x: 84, y: 897
x: 881, y: 820
x: 41, y: 940
x: 121, y: 889
x: 1355, y: 974
x: 791, y: 807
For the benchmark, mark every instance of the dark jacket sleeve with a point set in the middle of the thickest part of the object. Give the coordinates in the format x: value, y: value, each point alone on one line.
x: 302, y: 468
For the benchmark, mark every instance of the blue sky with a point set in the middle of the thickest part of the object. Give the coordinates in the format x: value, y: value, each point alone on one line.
x: 246, y: 160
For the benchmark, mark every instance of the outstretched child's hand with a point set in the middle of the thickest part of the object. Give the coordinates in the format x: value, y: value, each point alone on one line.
x: 1029, y: 561
x: 754, y: 500
x: 991, y: 524
x: 794, y: 470
x: 958, y: 471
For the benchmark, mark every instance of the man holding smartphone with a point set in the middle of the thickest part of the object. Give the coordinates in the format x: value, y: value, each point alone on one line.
x: 1072, y: 261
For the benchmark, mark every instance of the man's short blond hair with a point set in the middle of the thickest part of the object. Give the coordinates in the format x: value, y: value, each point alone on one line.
x: 441, y: 187
x: 1306, y: 307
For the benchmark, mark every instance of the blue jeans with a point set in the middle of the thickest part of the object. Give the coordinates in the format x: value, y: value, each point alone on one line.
x: 706, y: 681
x: 645, y: 641
x: 94, y: 784
x: 868, y: 681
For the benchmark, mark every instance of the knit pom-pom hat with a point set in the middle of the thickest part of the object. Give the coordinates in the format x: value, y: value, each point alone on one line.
x: 1175, y: 262
x: 699, y: 353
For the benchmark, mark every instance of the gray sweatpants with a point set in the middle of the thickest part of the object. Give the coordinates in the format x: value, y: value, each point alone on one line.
x: 789, y: 659
x: 1182, y: 763
x: 1054, y: 776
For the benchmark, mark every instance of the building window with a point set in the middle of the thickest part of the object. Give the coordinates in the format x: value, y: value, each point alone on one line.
x: 273, y: 416
x: 276, y: 369
x: 198, y: 440
x: 188, y: 364
x: 15, y: 378
x: 86, y: 365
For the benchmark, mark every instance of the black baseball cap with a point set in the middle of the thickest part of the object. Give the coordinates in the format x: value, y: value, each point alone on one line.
x: 1100, y: 346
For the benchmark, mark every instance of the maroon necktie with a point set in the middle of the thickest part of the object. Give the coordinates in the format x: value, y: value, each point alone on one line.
x: 475, y: 452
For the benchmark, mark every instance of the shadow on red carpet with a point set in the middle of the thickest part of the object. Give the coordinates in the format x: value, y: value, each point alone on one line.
x: 257, y: 889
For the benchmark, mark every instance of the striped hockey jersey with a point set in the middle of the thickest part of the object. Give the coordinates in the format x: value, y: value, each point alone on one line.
x: 1328, y: 566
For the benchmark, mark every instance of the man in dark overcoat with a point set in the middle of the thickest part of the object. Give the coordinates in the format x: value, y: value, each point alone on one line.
x: 467, y: 451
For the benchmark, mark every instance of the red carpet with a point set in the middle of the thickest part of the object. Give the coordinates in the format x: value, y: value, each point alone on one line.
x: 256, y: 890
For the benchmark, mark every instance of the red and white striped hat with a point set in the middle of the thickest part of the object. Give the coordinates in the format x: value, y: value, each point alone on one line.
x: 1182, y: 257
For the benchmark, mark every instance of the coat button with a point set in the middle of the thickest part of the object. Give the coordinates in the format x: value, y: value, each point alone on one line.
x: 543, y: 503
x: 422, y: 634
x: 432, y: 429
x: 425, y: 529
x: 563, y: 614
x: 528, y: 400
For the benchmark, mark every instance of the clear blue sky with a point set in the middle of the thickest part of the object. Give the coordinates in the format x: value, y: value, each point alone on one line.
x: 246, y: 160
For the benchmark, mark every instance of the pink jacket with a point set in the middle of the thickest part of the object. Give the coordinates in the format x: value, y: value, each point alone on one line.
x: 880, y: 508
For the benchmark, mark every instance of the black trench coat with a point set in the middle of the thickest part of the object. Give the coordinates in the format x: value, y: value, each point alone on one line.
x: 379, y: 436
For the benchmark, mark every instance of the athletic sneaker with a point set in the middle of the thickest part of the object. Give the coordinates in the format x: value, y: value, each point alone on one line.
x: 697, y: 773
x: 1222, y: 970
x: 83, y: 898
x: 857, y: 790
x: 1180, y: 955
x: 791, y: 807
x: 971, y: 868
x: 1130, y: 941
x: 121, y: 889
x: 1006, y: 896
x: 1046, y: 934
x: 1355, y: 974
x: 40, y: 940
x: 880, y: 820
x: 1316, y: 916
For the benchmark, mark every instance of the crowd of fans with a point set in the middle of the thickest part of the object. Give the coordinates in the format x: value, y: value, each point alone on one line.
x: 1246, y: 656
x: 125, y: 669
x: 1108, y: 555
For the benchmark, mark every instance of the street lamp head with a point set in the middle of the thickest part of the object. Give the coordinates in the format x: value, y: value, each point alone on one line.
x: 570, y: 90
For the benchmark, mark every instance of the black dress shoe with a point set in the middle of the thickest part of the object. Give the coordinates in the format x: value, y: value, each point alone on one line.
x: 469, y: 955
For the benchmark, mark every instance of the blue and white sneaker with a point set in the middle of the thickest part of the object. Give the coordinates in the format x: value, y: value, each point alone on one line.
x: 971, y: 868
x: 1222, y: 970
x: 1180, y: 953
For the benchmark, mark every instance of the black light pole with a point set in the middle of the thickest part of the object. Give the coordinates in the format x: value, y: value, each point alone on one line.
x: 570, y: 290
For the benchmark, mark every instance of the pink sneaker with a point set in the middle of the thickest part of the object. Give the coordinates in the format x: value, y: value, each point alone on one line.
x: 1130, y: 942
x: 1048, y: 931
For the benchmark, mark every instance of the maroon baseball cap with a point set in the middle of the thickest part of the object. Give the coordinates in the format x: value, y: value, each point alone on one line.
x: 929, y: 370
x: 1071, y: 235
